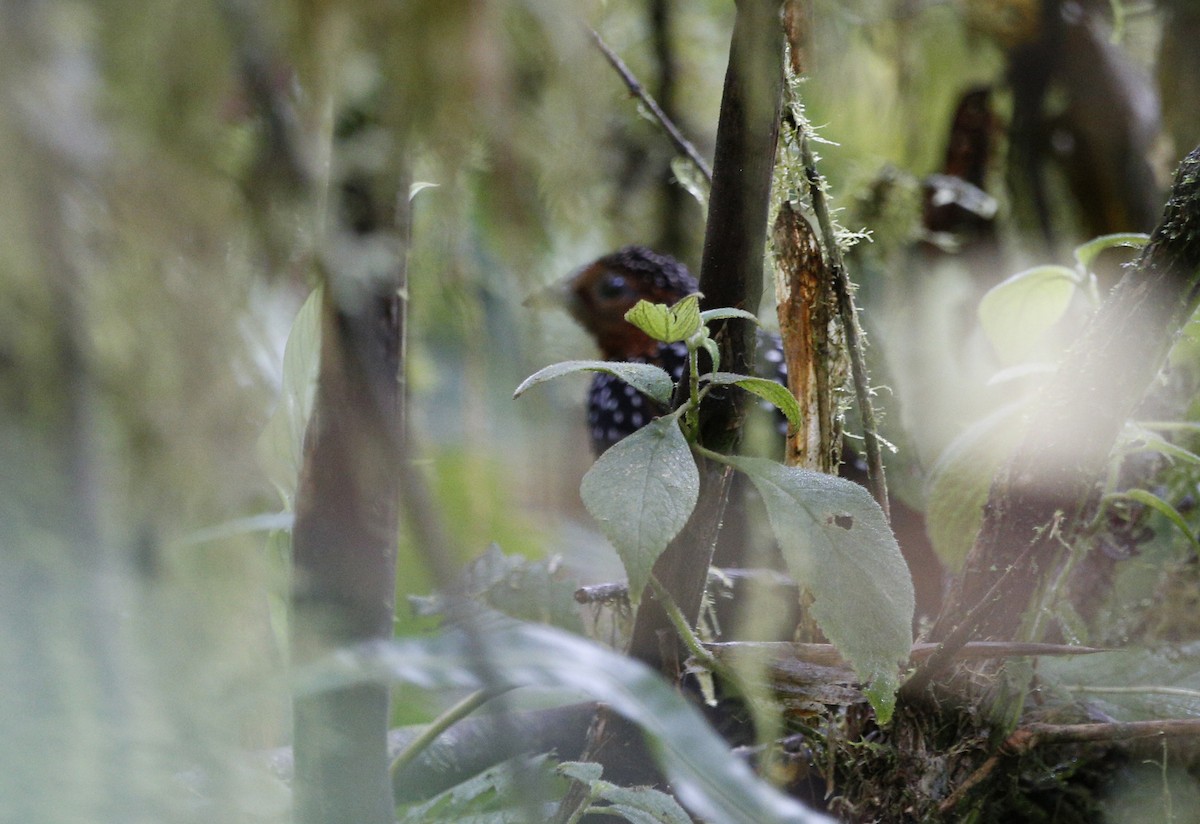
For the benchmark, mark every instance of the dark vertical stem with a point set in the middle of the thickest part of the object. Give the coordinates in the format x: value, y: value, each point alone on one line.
x: 731, y: 274
x: 344, y: 555
x: 672, y: 235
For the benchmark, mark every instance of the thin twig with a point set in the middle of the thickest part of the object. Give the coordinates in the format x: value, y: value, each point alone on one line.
x: 946, y: 651
x: 686, y: 635
x: 638, y: 91
x: 849, y: 315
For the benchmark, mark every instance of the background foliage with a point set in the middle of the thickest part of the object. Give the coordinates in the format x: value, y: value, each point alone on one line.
x: 153, y: 257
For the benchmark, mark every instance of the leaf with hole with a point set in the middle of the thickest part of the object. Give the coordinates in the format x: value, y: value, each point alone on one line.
x: 837, y: 544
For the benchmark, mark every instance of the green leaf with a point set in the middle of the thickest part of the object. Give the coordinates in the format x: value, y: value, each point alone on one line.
x: 281, y: 444
x: 836, y: 542
x: 648, y: 379
x: 1017, y: 313
x: 1086, y: 253
x: 529, y: 590
x: 418, y: 186
x: 1143, y: 439
x: 639, y: 805
x: 265, y: 522
x: 772, y: 392
x: 691, y: 179
x: 709, y: 315
x: 1160, y: 506
x: 641, y: 492
x: 713, y: 349
x: 667, y: 323
x: 476, y: 799
x: 587, y: 771
x: 707, y: 779
x: 961, y: 480
x: 1131, y: 684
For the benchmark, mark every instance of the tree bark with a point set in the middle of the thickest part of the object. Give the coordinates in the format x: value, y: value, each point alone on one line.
x: 346, y: 530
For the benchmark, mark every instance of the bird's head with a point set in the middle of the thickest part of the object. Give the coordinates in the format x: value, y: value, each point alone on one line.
x: 599, y: 294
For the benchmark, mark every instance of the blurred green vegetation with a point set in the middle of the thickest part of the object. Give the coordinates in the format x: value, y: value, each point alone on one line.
x: 153, y: 255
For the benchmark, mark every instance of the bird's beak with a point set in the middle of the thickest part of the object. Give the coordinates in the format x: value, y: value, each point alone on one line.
x: 556, y: 295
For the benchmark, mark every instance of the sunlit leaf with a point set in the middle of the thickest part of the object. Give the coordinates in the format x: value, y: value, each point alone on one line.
x: 648, y: 379
x: 1086, y: 253
x: 707, y: 779
x: 667, y: 323
x: 961, y: 480
x: 266, y: 522
x: 836, y: 543
x: 1144, y: 439
x: 1017, y: 313
x: 772, y: 392
x: 419, y: 186
x: 689, y: 177
x: 641, y: 492
x: 281, y: 445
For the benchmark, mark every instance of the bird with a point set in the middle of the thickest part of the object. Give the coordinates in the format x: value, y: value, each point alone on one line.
x: 597, y: 296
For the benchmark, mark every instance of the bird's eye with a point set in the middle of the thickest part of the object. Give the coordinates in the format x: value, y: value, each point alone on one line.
x: 612, y: 287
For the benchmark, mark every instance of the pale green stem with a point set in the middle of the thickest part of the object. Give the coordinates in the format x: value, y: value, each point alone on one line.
x: 442, y: 723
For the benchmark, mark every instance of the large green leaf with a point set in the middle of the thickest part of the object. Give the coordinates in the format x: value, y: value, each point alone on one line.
x: 648, y: 379
x: 641, y: 492
x: 837, y: 543
x: 1017, y: 313
x: 667, y: 323
x: 706, y: 778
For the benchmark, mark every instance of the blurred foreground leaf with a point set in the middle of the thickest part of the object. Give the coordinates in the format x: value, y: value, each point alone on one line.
x: 707, y: 779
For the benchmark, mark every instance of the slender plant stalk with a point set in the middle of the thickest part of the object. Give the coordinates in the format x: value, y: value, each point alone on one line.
x: 876, y: 479
x: 440, y: 724
x: 639, y: 91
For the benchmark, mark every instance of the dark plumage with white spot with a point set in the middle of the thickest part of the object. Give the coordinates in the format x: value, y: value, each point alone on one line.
x: 598, y: 296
